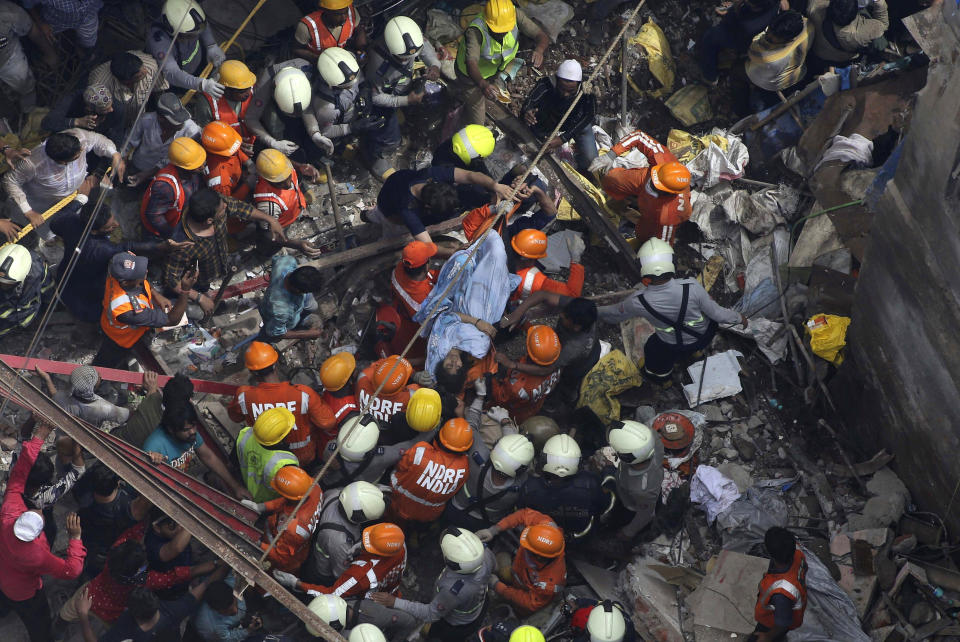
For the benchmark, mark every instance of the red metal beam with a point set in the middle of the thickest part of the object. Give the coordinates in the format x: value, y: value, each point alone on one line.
x: 250, y: 285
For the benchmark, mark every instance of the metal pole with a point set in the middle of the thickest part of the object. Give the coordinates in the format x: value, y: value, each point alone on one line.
x: 623, y: 81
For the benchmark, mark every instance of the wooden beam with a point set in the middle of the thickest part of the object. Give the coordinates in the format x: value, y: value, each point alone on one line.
x: 595, y: 218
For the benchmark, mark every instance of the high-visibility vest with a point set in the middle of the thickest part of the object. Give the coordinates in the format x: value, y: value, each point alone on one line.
x: 340, y: 406
x: 494, y: 56
x: 409, y: 294
x: 258, y: 465
x: 531, y: 280
x: 523, y: 394
x: 221, y: 110
x: 791, y: 583
x: 224, y: 173
x: 169, y: 176
x: 290, y: 201
x: 425, y: 479
x: 116, y: 301
x: 293, y: 545
x: 320, y: 36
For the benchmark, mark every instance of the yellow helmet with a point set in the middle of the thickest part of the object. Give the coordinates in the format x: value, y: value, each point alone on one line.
x: 236, y: 75
x: 334, y: 5
x: 500, y: 15
x: 526, y: 633
x: 473, y: 141
x: 273, y: 166
x: 187, y: 153
x: 337, y: 370
x: 273, y: 425
x: 423, y: 409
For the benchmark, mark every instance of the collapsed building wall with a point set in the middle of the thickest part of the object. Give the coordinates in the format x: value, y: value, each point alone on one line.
x: 900, y: 386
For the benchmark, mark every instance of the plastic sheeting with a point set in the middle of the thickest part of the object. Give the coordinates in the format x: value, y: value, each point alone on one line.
x: 552, y: 14
x: 856, y: 149
x: 613, y: 374
x: 721, y: 378
x: 744, y: 523
x: 717, y: 163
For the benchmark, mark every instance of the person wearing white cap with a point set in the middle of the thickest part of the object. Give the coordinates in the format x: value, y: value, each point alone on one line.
x: 24, y: 549
x: 549, y: 100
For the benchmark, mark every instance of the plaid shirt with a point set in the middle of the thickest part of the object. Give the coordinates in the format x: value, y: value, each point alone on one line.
x: 209, y: 253
x: 65, y: 14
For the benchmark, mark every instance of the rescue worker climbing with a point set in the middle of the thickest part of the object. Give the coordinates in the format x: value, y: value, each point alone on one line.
x: 684, y: 315
x: 227, y: 165
x: 336, y: 375
x: 231, y: 108
x: 638, y: 477
x: 259, y: 449
x: 522, y: 393
x: 662, y: 190
x: 429, y: 474
x: 782, y: 594
x: 167, y: 194
x: 529, y: 246
x: 315, y: 424
x: 395, y: 392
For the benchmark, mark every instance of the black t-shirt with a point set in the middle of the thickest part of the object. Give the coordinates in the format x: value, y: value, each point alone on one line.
x: 396, y: 201
x: 102, y: 524
x: 153, y: 543
x: 167, y: 628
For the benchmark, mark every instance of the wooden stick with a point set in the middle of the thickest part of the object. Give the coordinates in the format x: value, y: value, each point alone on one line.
x: 797, y: 97
x: 335, y: 205
x: 793, y: 110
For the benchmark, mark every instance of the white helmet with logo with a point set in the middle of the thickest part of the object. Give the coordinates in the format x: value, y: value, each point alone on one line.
x: 561, y: 456
x: 462, y: 550
x: 15, y: 263
x: 632, y: 440
x: 362, y: 502
x: 656, y: 258
x: 332, y: 609
x: 606, y: 622
x: 291, y: 91
x: 184, y: 16
x: 358, y: 436
x: 403, y: 37
x: 337, y: 66
x: 512, y: 455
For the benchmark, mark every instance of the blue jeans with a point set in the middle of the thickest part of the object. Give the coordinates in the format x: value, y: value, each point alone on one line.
x: 379, y: 141
x: 585, y: 149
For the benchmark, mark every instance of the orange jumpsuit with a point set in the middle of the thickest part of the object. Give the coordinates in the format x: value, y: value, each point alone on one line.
x: 425, y: 478
x: 315, y: 425
x: 385, y: 406
x: 535, y: 583
x: 341, y: 407
x: 533, y: 280
x: 523, y: 394
x: 367, y: 574
x: 408, y: 294
x: 225, y: 175
x: 662, y: 213
x: 293, y: 545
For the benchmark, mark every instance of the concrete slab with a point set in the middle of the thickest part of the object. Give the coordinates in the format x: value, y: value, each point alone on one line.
x: 727, y: 595
x: 860, y: 588
x: 840, y: 544
x: 653, y: 601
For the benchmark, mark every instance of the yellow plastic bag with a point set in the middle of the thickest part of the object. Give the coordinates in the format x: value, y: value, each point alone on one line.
x: 828, y: 336
x: 686, y: 146
x: 613, y: 374
x: 691, y: 105
x: 656, y: 50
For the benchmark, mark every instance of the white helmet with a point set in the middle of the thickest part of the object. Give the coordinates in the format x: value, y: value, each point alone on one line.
x: 633, y: 441
x: 366, y: 633
x: 403, y: 37
x: 362, y: 502
x: 656, y: 258
x: 512, y: 455
x: 291, y: 91
x: 462, y: 550
x: 332, y: 609
x: 606, y: 623
x: 184, y: 16
x: 15, y: 262
x: 561, y: 456
x: 338, y: 67
x: 570, y: 70
x: 357, y: 437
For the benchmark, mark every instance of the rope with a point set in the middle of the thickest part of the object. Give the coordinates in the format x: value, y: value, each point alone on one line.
x: 56, y: 207
x: 502, y: 209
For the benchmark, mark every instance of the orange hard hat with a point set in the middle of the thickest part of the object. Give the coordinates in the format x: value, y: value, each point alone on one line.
x: 397, y: 379
x: 383, y: 539
x: 670, y: 177
x: 456, y: 435
x: 530, y: 244
x: 676, y: 431
x: 220, y: 139
x: 292, y: 482
x: 544, y: 540
x: 337, y: 370
x: 259, y: 356
x: 543, y: 344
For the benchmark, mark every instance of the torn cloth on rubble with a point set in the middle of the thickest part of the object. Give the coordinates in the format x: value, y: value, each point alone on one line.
x: 856, y: 149
x: 712, y: 491
x: 482, y: 291
x: 613, y: 374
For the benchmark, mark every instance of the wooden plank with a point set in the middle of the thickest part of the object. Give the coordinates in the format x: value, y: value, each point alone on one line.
x: 586, y: 207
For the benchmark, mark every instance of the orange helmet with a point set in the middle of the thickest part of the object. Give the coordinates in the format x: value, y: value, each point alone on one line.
x: 456, y: 435
x: 530, y: 244
x: 337, y: 370
x: 259, y: 356
x: 220, y: 139
x: 676, y: 431
x: 397, y: 379
x: 383, y: 539
x: 543, y: 344
x: 544, y: 540
x: 292, y: 482
x: 670, y: 177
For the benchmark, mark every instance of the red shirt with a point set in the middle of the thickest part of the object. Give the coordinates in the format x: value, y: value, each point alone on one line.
x: 523, y: 394
x: 341, y: 407
x: 407, y: 293
x: 24, y: 563
x: 367, y: 574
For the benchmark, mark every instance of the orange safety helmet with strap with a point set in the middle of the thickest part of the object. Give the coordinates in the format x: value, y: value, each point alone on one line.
x: 116, y: 301
x: 169, y: 176
x: 320, y: 36
x: 221, y: 110
x: 425, y: 478
x: 791, y: 583
x: 290, y: 201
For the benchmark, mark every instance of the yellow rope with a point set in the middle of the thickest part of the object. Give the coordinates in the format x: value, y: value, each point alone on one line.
x: 59, y: 205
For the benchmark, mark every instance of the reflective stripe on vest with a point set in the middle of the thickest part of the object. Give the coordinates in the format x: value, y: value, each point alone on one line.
x: 786, y: 586
x: 494, y: 56
x: 270, y: 196
x: 403, y: 293
x: 526, y: 287
x: 317, y: 44
x: 403, y: 491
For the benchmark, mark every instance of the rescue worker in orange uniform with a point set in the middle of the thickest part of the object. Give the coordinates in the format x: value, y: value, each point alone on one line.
x: 278, y: 194
x: 227, y: 164
x: 539, y: 570
x: 523, y: 393
x: 430, y: 474
x: 782, y: 594
x: 167, y: 194
x: 529, y: 246
x: 293, y: 545
x: 395, y: 393
x: 131, y: 307
x: 336, y: 375
x: 662, y: 190
x: 315, y: 424
x: 231, y: 108
x: 411, y: 281
x: 335, y: 23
